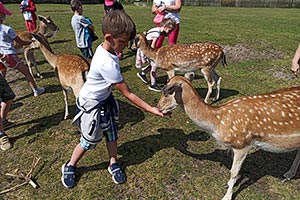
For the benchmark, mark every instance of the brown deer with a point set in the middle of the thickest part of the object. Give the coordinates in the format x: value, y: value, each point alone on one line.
x: 47, y: 28
x: 188, y: 58
x: 70, y: 69
x: 267, y: 121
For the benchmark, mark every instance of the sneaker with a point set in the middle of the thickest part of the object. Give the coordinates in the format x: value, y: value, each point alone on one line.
x: 68, y: 175
x: 117, y: 175
x: 4, y: 143
x: 154, y: 87
x: 142, y: 77
x: 38, y: 91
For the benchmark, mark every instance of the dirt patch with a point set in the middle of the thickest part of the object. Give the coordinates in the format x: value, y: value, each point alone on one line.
x: 238, y: 53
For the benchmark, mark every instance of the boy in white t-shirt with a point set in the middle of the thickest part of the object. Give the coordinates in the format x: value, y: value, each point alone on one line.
x: 97, y: 108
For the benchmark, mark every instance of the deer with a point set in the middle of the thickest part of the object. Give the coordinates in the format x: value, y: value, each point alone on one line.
x: 46, y: 27
x: 188, y: 58
x: 70, y: 69
x: 268, y: 122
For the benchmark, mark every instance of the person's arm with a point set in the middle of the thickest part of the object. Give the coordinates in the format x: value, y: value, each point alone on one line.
x: 31, y: 6
x: 170, y: 8
x: 154, y: 43
x: 123, y: 88
x: 91, y: 27
x: 156, y: 9
x: 173, y: 8
x: 22, y: 42
x: 295, y: 65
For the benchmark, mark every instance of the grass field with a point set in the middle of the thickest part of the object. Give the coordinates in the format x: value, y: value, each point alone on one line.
x: 163, y: 158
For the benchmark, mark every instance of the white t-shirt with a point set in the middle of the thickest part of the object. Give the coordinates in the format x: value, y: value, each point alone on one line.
x: 153, y: 33
x: 104, y: 71
x: 7, y: 35
x: 173, y: 15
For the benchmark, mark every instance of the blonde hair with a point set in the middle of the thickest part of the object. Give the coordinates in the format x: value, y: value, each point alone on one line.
x: 168, y: 22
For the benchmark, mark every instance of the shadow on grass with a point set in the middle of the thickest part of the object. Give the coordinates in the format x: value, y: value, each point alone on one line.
x: 132, y: 116
x: 126, y: 68
x: 176, y: 138
x: 260, y: 164
x: 40, y: 125
x: 256, y: 166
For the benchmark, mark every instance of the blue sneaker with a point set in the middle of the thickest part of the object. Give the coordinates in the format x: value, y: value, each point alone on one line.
x: 68, y: 175
x: 117, y: 175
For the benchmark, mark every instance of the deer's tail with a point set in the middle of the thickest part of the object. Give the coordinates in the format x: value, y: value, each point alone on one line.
x: 224, y: 63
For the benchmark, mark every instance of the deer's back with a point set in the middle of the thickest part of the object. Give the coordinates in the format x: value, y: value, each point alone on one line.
x: 187, y: 55
x: 269, y: 121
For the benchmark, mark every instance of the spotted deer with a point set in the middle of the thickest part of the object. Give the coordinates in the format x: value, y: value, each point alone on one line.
x: 266, y: 121
x: 46, y: 27
x: 188, y: 58
x: 70, y: 69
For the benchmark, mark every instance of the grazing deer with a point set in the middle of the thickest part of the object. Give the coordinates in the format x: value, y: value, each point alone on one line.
x: 45, y: 25
x: 70, y: 69
x: 267, y: 121
x: 188, y: 58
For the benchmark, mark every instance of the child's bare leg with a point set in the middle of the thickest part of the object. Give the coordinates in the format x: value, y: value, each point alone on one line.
x: 112, y: 151
x: 5, y: 106
x: 25, y: 71
x: 77, y: 154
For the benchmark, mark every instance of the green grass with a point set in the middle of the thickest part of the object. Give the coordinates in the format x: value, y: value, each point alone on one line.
x: 163, y: 158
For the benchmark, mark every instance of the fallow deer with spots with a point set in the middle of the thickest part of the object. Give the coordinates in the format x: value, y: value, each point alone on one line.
x: 267, y: 121
x: 188, y: 58
x: 70, y: 69
x: 45, y: 27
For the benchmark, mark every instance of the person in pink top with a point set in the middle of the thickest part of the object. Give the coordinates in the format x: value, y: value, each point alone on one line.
x: 110, y: 5
x: 28, y: 9
x: 171, y: 9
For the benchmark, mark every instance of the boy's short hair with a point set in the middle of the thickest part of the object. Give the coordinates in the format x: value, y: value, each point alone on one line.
x: 75, y: 4
x: 118, y: 24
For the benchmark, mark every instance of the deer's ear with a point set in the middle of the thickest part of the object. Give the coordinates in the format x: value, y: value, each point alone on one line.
x: 170, y: 89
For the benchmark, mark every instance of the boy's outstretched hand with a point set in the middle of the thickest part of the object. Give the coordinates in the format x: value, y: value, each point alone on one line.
x: 157, y: 112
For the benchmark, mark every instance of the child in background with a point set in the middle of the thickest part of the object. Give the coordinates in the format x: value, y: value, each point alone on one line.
x: 98, y: 109
x: 110, y: 5
x: 28, y: 9
x: 79, y: 23
x: 165, y: 27
x: 295, y: 61
x: 8, y: 54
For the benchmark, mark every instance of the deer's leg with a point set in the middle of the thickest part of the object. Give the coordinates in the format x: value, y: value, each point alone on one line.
x: 66, y: 103
x: 28, y: 61
x: 33, y: 61
x: 207, y: 73
x: 293, y: 170
x: 238, y: 159
x: 217, y: 79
